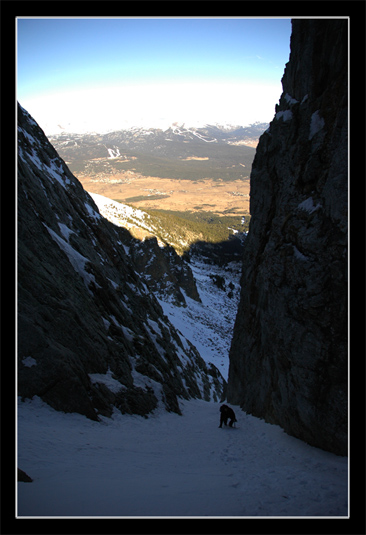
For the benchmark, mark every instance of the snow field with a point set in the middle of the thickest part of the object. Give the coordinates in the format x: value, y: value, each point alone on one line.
x: 209, y: 325
x: 171, y: 466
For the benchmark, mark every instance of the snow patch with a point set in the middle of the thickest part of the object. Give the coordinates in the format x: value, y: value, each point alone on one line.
x: 308, y: 205
x: 28, y: 362
x: 106, y: 379
x: 106, y: 323
x: 54, y: 170
x: 114, y: 284
x: 143, y: 381
x: 77, y: 260
x: 92, y: 213
x: 28, y: 136
x: 208, y: 325
x: 56, y: 173
x: 286, y: 115
x: 65, y: 231
x: 316, y: 125
x: 113, y: 153
x: 128, y: 334
x: 290, y: 99
x: 155, y: 327
x: 120, y: 214
x: 299, y: 254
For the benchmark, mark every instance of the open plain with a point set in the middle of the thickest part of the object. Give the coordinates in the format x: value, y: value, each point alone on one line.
x: 148, y: 192
x: 180, y: 169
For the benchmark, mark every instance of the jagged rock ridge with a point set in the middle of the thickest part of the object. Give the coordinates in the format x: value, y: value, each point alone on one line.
x: 166, y: 273
x: 91, y: 335
x: 289, y: 355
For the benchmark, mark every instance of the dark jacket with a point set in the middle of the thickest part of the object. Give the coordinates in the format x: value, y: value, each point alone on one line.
x: 227, y: 414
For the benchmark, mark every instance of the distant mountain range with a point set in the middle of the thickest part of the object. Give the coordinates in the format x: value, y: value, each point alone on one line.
x: 164, y: 153
x: 209, y: 133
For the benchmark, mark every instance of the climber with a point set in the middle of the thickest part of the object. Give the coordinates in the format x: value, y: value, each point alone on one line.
x: 227, y: 414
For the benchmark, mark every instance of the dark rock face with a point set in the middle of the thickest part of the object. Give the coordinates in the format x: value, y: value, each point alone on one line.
x: 164, y: 271
x: 22, y: 476
x: 221, y: 253
x: 91, y: 336
x: 289, y: 355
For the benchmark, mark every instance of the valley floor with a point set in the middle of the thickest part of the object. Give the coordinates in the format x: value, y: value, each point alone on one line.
x: 221, y: 197
x: 171, y: 466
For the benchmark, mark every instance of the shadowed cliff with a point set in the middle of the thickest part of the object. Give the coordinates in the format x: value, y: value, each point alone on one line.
x: 92, y: 337
x: 289, y: 355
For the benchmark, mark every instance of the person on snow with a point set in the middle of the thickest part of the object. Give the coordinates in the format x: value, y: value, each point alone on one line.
x: 227, y: 414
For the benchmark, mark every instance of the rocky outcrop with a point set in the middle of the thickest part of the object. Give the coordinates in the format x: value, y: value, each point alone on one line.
x: 91, y: 335
x: 289, y: 355
x: 166, y: 273
x: 22, y: 476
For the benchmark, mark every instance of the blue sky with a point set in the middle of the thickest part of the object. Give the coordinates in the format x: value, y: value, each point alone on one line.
x: 198, y: 60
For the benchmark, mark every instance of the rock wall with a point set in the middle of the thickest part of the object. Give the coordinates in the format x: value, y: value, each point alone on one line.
x: 289, y: 355
x: 91, y: 335
x: 166, y: 273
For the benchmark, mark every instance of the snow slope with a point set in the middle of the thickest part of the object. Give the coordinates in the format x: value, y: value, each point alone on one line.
x: 120, y: 214
x: 209, y: 325
x: 171, y: 466
x: 176, y: 466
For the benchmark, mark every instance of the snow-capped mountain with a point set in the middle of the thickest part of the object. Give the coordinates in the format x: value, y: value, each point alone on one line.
x: 208, y: 133
x: 96, y: 124
x: 180, y: 152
